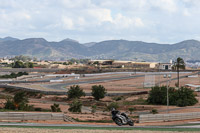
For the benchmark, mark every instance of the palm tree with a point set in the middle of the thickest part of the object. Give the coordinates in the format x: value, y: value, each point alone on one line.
x: 179, y: 64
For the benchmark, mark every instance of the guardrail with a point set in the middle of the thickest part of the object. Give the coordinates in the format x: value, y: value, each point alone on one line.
x: 30, y: 70
x: 23, y: 116
x: 33, y: 90
x: 168, y: 117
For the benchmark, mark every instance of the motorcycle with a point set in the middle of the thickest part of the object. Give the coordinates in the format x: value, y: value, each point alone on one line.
x: 121, y: 118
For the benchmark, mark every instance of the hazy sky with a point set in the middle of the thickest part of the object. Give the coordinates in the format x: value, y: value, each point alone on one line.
x: 163, y: 21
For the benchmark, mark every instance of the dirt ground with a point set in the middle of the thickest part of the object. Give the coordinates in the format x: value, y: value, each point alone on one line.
x: 35, y: 130
x: 129, y: 85
x: 137, y: 84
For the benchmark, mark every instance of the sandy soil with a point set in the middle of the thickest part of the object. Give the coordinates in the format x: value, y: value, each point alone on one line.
x: 35, y: 130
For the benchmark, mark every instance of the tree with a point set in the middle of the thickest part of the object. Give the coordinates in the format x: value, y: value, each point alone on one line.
x: 98, y: 92
x: 75, y: 92
x: 9, y: 104
x: 157, y: 95
x: 179, y: 64
x: 186, y: 97
x: 182, y: 97
x: 22, y: 58
x: 20, y: 100
x: 29, y: 65
x: 75, y: 106
x: 18, y: 64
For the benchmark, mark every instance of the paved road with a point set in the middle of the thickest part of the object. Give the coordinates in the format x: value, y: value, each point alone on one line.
x: 62, y: 86
x: 92, y: 125
x: 77, y: 82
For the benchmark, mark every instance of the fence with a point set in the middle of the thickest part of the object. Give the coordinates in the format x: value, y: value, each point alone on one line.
x: 33, y: 116
x: 168, y: 117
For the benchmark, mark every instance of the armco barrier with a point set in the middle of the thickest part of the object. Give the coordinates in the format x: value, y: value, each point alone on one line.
x: 23, y: 116
x: 168, y: 117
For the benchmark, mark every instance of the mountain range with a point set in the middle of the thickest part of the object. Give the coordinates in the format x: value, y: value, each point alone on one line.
x: 109, y: 49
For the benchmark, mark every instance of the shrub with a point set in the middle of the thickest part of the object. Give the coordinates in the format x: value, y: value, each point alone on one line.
x: 55, y: 108
x: 94, y: 107
x: 38, y: 109
x: 131, y: 110
x: 118, y: 98
x: 14, y: 75
x: 27, y: 107
x: 98, y: 92
x: 154, y: 111
x: 75, y: 92
x: 75, y: 106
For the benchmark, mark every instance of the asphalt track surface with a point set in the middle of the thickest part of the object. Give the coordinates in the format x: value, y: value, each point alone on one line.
x: 62, y: 86
x: 76, y: 82
x: 95, y: 126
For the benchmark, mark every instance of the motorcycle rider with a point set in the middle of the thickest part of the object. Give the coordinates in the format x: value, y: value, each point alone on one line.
x: 121, y: 118
x: 115, y: 112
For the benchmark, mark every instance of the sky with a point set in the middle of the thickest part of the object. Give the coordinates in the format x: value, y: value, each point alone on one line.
x: 161, y: 21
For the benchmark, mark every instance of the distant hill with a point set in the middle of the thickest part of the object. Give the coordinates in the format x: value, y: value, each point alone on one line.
x: 8, y: 39
x: 90, y: 44
x: 110, y: 49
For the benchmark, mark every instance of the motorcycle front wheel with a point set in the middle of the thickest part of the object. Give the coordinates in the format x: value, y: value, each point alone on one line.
x: 131, y: 123
x: 118, y: 121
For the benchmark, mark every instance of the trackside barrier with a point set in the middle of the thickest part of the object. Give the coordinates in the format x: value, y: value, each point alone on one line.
x: 168, y: 117
x: 34, y: 116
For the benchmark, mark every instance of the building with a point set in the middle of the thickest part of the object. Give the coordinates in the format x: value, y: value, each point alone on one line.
x: 165, y: 66
x: 124, y: 64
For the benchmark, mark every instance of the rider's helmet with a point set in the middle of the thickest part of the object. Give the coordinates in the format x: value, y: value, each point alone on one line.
x: 113, y: 109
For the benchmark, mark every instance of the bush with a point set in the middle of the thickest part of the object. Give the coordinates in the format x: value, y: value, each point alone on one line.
x: 131, y: 110
x: 75, y: 106
x: 27, y: 107
x: 19, y: 102
x: 118, y: 98
x: 94, y: 108
x: 14, y: 75
x: 38, y: 109
x: 55, y: 108
x: 75, y: 92
x: 98, y: 92
x: 112, y: 105
x: 154, y: 111
x: 181, y: 97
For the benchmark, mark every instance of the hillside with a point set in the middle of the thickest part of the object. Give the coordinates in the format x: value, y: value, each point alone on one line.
x: 111, y: 49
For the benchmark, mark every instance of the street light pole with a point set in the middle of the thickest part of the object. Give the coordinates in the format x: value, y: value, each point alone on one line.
x: 167, y: 95
x: 168, y: 76
x: 159, y: 73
